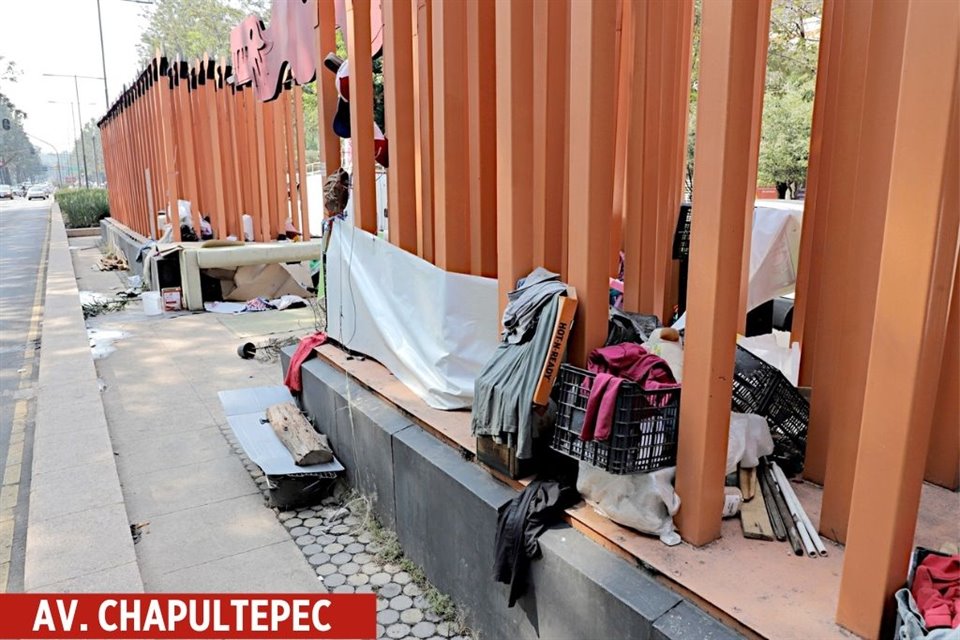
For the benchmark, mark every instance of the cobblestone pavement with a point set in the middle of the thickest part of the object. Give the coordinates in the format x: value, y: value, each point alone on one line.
x: 352, y: 554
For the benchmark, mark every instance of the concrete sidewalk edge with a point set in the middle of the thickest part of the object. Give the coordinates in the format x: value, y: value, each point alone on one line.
x: 78, y: 532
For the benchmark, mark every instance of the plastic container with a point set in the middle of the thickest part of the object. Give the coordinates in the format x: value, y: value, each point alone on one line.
x: 760, y: 388
x: 152, y: 303
x: 643, y: 435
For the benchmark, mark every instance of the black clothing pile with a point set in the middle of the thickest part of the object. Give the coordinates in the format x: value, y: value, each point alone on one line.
x: 520, y: 524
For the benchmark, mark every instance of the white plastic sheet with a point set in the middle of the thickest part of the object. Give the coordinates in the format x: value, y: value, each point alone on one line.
x: 774, y: 252
x: 432, y: 329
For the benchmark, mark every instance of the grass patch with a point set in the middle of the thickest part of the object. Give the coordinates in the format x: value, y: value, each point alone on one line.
x: 82, y: 208
x: 392, y: 553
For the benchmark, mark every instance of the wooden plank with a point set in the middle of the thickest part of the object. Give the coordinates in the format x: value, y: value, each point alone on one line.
x: 748, y: 483
x: 753, y: 515
x: 298, y: 436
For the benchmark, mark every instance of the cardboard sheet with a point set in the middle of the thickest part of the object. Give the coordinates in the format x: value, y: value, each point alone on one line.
x: 433, y: 330
x: 245, y: 409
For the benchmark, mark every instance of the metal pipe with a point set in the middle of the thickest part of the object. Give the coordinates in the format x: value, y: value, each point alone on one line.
x: 776, y: 521
x: 103, y: 59
x: 83, y: 145
x: 784, y: 513
x: 791, y: 497
x: 786, y: 491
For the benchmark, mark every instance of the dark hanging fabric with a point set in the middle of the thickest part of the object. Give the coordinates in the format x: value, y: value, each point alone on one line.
x: 520, y: 524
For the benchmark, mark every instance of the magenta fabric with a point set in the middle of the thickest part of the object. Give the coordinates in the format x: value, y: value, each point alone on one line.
x: 305, y: 351
x: 936, y: 589
x: 613, y: 365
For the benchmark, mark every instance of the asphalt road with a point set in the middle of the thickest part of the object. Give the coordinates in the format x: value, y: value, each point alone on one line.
x: 23, y: 236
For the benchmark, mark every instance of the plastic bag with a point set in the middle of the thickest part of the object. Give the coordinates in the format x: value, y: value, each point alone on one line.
x: 775, y: 349
x: 749, y: 440
x: 646, y: 502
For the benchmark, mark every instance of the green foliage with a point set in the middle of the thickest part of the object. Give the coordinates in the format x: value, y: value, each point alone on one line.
x: 788, y: 101
x: 192, y: 28
x: 83, y: 207
x: 19, y: 158
x: 91, y: 150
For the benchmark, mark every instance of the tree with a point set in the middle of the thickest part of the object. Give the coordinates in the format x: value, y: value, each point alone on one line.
x: 90, y: 150
x: 19, y: 159
x: 192, y: 28
x: 788, y: 99
x: 785, y: 141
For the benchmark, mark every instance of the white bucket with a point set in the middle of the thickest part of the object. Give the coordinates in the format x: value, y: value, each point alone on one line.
x: 152, y: 303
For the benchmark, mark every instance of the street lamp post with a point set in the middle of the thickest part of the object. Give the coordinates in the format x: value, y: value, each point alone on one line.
x: 76, y: 87
x: 57, y: 153
x: 73, y: 125
x: 103, y: 59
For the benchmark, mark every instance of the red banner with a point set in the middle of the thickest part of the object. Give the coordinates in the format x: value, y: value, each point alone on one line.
x: 188, y: 615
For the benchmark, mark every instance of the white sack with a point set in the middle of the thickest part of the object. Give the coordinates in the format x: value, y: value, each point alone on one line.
x: 749, y: 440
x: 775, y: 349
x: 432, y: 329
x: 642, y: 501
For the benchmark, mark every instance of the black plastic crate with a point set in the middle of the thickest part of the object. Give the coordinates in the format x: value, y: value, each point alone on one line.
x: 760, y: 388
x: 644, y: 431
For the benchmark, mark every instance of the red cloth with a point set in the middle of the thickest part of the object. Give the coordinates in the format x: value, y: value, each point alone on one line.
x: 613, y: 365
x: 303, y: 353
x: 936, y: 589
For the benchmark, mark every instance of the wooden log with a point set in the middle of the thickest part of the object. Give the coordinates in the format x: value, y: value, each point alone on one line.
x: 298, y: 436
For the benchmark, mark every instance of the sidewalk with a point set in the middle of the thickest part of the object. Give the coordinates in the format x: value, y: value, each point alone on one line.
x: 201, y: 518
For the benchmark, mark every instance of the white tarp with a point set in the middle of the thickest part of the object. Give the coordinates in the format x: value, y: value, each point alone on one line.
x: 432, y: 329
x: 774, y: 252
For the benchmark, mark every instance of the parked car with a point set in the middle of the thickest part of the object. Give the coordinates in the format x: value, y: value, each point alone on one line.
x: 6, y: 192
x: 37, y: 191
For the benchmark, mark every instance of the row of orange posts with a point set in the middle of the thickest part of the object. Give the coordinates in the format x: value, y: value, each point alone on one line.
x: 183, y: 132
x: 553, y: 133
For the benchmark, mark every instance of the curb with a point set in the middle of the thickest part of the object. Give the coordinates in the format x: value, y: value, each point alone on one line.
x: 78, y: 533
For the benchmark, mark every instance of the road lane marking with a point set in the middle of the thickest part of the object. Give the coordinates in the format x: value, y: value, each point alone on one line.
x: 10, y: 487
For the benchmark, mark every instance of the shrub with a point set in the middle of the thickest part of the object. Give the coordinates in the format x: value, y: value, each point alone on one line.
x: 83, y: 207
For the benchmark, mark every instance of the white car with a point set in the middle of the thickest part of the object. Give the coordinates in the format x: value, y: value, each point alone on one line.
x: 6, y: 192
x: 37, y: 191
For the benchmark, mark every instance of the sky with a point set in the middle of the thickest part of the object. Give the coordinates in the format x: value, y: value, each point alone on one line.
x: 62, y: 36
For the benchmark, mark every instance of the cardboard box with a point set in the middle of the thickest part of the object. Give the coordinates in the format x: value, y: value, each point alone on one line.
x: 567, y: 307
x: 172, y: 299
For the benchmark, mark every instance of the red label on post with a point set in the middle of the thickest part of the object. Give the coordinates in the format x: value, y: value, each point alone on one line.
x: 188, y: 615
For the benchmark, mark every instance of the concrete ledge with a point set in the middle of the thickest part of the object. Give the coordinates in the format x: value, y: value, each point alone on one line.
x: 120, y: 238
x: 445, y: 508
x: 78, y: 533
x: 85, y: 232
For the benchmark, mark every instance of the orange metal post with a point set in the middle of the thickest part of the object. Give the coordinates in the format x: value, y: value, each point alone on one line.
x: 451, y: 188
x: 918, y: 256
x: 756, y: 117
x: 216, y: 160
x: 624, y: 94
x: 550, y: 35
x: 852, y: 317
x: 326, y: 87
x: 167, y: 144
x: 364, y: 188
x: 730, y: 44
x: 943, y: 457
x: 301, y: 179
x: 289, y: 176
x: 398, y: 99
x: 514, y: 57
x: 259, y: 168
x: 635, y: 228
x: 808, y: 271
x: 652, y: 125
x: 482, y: 135
x: 423, y: 126
x: 830, y: 360
x: 591, y: 157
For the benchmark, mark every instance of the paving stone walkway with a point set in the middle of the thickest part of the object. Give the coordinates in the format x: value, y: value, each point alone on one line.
x: 351, y: 553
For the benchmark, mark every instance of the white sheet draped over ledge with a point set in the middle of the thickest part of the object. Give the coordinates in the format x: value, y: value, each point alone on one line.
x: 432, y: 329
